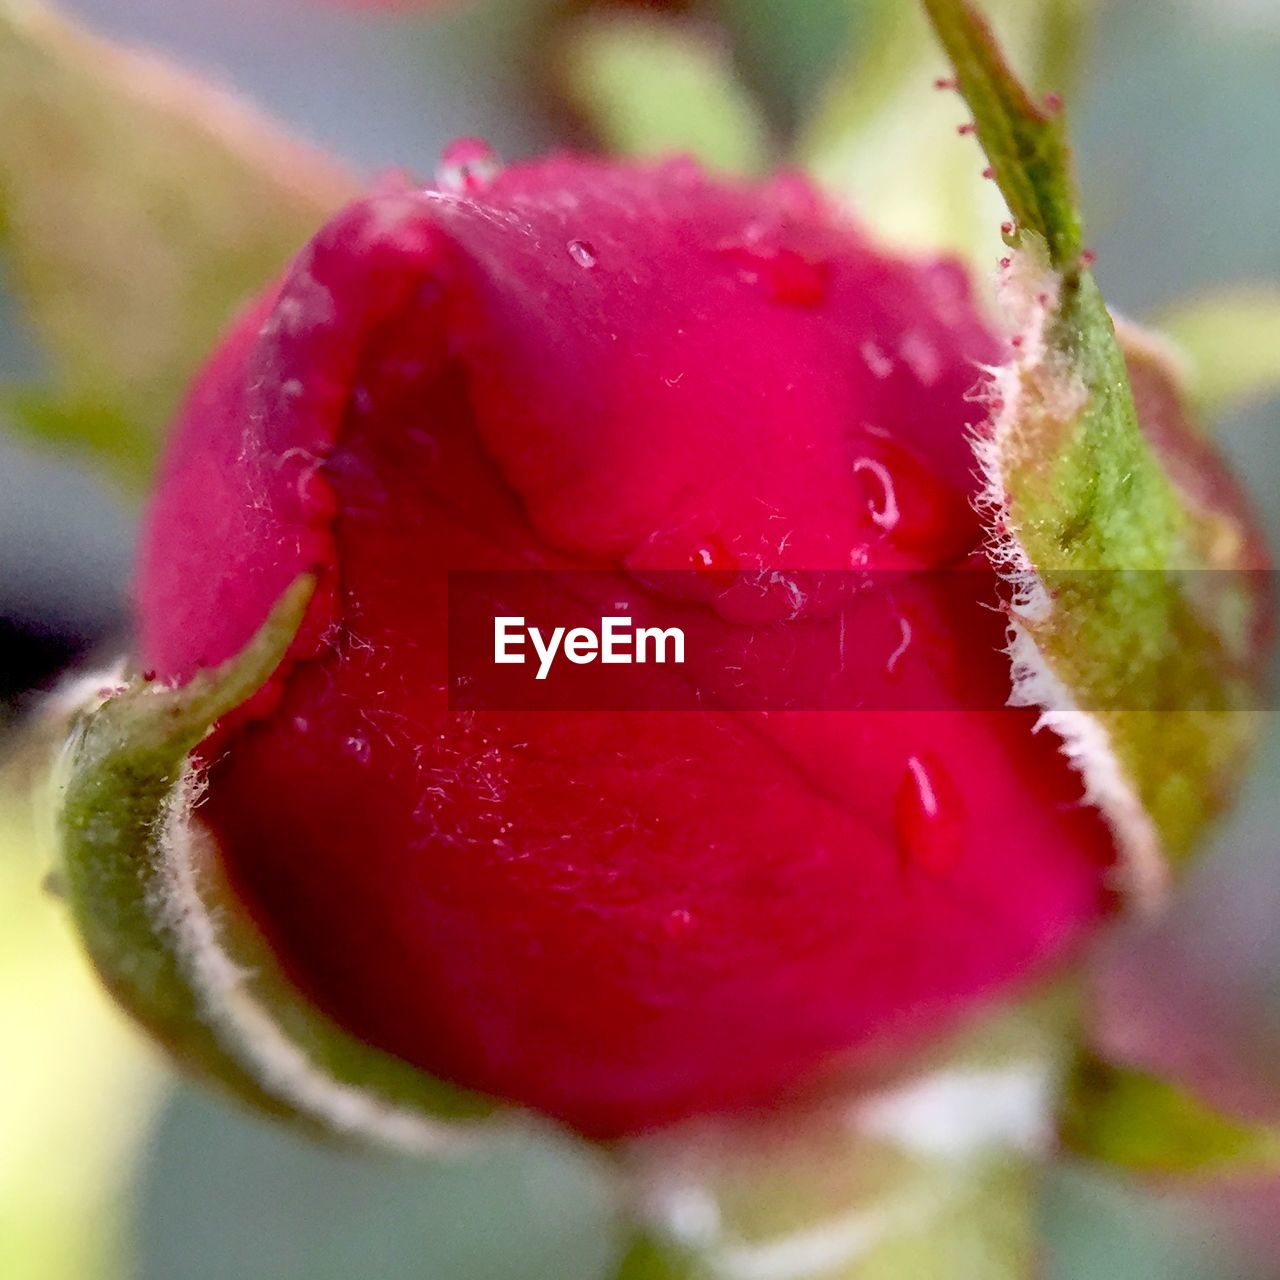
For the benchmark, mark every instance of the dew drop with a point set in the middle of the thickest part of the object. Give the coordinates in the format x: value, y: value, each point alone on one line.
x: 467, y: 166
x: 583, y: 253
x: 796, y: 281
x: 712, y: 556
x: 357, y: 748
x: 919, y: 514
x: 929, y: 815
x: 788, y: 277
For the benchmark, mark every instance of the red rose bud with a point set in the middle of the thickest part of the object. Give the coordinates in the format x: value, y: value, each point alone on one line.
x: 616, y: 917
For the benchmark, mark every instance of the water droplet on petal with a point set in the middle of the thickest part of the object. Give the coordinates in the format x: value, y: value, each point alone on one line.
x: 796, y: 281
x: 788, y: 277
x: 918, y: 513
x: 358, y: 749
x: 712, y: 556
x: 467, y: 166
x: 930, y: 817
x: 583, y: 253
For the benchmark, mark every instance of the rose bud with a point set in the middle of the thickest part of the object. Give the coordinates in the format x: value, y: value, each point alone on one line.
x: 615, y: 918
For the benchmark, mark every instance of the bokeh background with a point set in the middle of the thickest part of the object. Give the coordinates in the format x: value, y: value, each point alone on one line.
x: 110, y: 1167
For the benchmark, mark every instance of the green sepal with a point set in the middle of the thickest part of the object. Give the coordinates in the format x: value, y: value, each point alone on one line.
x: 140, y: 208
x: 1129, y: 1119
x: 1231, y: 343
x: 171, y: 943
x: 649, y: 86
x: 1141, y: 660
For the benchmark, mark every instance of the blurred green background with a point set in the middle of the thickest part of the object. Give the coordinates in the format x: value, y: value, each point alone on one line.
x: 112, y: 1168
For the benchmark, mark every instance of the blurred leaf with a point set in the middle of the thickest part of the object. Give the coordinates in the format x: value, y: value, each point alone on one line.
x: 1133, y: 1120
x: 1100, y: 1225
x: 139, y: 208
x: 935, y: 1173
x: 1232, y: 343
x: 788, y: 48
x: 225, y: 1195
x: 652, y: 86
x: 1145, y: 668
x: 76, y: 1082
x: 883, y: 137
x: 649, y: 1258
